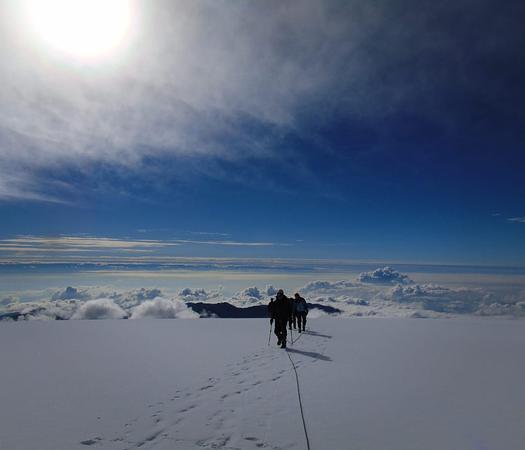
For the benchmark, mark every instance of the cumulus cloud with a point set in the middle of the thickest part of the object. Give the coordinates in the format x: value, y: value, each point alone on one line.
x: 250, y: 296
x: 71, y: 293
x: 252, y: 292
x: 352, y: 298
x: 387, y: 293
x: 317, y: 285
x: 270, y: 290
x: 102, y: 308
x: 40, y: 310
x: 129, y: 299
x: 385, y: 275
x: 145, y: 294
x: 502, y: 309
x: 441, y: 299
x: 323, y: 285
x: 161, y: 308
x: 125, y: 299
x: 314, y: 313
x: 8, y: 300
x: 200, y: 295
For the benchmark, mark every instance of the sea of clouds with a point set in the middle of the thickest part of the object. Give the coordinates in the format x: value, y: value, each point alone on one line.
x: 383, y: 292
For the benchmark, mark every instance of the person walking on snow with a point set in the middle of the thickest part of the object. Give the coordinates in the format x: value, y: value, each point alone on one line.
x: 301, y: 311
x: 280, y: 311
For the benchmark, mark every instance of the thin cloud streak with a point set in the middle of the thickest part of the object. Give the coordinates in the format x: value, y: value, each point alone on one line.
x: 89, y: 242
x: 26, y: 245
x: 210, y: 233
x: 234, y: 243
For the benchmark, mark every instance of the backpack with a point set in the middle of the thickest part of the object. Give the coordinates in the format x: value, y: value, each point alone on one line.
x: 301, y: 306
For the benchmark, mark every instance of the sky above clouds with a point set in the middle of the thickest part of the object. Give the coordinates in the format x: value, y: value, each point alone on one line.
x: 339, y: 129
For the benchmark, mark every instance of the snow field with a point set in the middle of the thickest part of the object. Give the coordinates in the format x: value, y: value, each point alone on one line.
x: 193, y: 384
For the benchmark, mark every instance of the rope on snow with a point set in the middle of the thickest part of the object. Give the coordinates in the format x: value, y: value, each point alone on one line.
x: 299, y: 397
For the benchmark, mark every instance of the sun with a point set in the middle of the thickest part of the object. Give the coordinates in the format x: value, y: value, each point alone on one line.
x: 82, y: 29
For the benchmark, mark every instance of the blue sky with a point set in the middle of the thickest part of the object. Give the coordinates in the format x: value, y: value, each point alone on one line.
x: 362, y: 130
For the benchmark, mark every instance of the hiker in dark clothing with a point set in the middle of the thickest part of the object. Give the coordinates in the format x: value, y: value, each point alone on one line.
x: 301, y: 310
x: 280, y: 311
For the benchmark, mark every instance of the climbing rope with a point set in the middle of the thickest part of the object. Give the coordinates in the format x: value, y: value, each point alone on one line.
x: 296, y: 339
x: 300, y: 399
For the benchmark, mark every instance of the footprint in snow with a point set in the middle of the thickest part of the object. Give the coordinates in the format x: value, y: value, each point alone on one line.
x: 90, y: 442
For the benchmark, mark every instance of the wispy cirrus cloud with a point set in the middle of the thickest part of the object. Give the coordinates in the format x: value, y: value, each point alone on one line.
x: 234, y: 243
x: 65, y: 243
x: 210, y: 233
x: 516, y: 219
x: 83, y: 241
x: 22, y: 246
x: 200, y: 72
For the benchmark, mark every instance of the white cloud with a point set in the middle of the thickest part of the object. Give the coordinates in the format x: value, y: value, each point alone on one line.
x: 180, y: 92
x: 315, y: 313
x: 250, y: 296
x: 80, y: 243
x: 502, y: 309
x: 352, y: 298
x: 102, y: 308
x: 129, y: 299
x: 270, y: 290
x: 385, y: 275
x: 406, y: 300
x: 323, y: 285
x: 43, y: 310
x: 10, y: 299
x: 40, y: 247
x: 201, y: 295
x: 441, y: 299
x: 516, y: 219
x: 161, y: 308
x: 252, y: 292
x: 71, y: 293
x: 177, y: 94
x: 232, y: 243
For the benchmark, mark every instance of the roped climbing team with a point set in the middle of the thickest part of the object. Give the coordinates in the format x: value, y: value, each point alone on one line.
x: 285, y: 312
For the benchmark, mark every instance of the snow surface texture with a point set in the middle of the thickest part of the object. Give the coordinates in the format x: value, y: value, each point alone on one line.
x: 383, y: 292
x: 194, y: 384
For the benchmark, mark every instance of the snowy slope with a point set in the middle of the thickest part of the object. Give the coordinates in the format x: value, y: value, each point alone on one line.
x: 184, y: 384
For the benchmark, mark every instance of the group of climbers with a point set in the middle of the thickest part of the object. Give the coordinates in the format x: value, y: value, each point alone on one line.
x: 287, y: 312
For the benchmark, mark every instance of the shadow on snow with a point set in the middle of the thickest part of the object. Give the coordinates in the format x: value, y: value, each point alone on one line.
x: 314, y: 355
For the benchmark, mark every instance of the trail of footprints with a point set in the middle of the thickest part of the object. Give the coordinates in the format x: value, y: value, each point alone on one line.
x: 166, y: 421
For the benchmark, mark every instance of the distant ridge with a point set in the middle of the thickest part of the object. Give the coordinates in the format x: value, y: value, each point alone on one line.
x: 17, y: 315
x: 228, y: 311
x: 222, y: 310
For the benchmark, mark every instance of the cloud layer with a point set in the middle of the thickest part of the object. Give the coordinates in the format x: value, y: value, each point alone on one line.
x: 354, y: 297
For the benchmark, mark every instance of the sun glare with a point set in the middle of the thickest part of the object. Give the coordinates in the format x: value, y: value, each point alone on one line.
x: 83, y: 29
